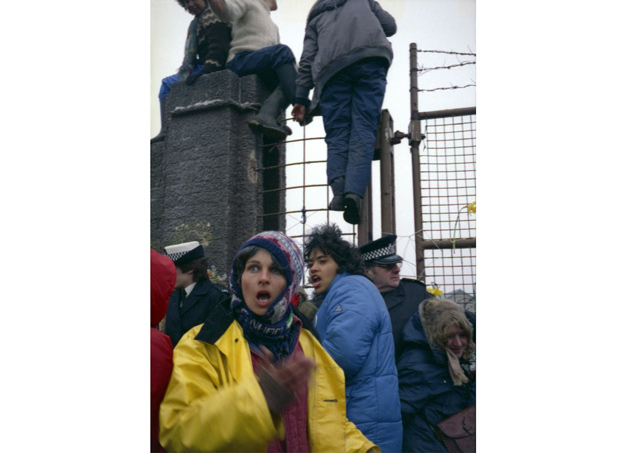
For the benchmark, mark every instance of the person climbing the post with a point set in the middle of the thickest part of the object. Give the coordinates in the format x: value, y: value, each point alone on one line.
x: 206, y: 49
x: 345, y: 57
x: 256, y: 49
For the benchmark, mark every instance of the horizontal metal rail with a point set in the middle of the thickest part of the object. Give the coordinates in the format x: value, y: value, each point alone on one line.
x: 449, y: 244
x: 292, y: 164
x: 447, y: 113
x: 303, y: 139
x: 284, y: 189
x: 292, y: 212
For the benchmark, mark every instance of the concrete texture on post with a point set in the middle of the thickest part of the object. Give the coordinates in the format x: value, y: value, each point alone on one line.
x: 205, y: 183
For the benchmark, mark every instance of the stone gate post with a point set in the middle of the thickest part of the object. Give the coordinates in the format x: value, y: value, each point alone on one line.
x: 205, y: 179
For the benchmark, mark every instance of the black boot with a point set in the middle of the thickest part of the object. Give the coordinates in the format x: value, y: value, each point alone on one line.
x: 337, y: 203
x: 161, y: 135
x: 352, y: 213
x: 287, y: 80
x: 265, y: 122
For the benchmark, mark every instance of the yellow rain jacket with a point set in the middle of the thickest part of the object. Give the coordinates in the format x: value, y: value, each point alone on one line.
x: 214, y: 402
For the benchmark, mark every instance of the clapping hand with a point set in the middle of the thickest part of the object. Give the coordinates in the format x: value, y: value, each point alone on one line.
x: 280, y: 382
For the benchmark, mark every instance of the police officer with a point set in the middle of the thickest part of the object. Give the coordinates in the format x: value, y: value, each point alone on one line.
x: 194, y: 295
x: 402, y: 296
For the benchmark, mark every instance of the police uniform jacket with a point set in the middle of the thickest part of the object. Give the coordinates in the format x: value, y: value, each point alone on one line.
x: 195, y: 308
x: 402, y: 302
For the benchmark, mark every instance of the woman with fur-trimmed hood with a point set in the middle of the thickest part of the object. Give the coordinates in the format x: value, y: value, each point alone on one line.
x: 434, y: 371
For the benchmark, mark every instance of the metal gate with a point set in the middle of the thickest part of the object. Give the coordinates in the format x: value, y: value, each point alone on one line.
x: 443, y: 154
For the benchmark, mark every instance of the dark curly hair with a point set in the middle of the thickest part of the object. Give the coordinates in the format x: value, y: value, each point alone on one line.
x: 328, y: 239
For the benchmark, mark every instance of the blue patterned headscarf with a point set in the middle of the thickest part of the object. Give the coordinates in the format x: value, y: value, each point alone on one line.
x: 273, y: 329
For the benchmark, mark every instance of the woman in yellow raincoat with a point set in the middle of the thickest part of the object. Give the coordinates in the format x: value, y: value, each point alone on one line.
x: 251, y: 378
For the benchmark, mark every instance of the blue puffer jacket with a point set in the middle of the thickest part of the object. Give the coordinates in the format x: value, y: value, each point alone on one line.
x: 355, y: 329
x: 427, y: 393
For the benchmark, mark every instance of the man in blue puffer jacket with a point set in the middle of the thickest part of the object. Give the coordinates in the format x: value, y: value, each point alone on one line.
x: 354, y: 326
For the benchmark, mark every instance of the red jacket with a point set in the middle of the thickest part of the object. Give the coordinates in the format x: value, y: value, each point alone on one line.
x: 162, y: 280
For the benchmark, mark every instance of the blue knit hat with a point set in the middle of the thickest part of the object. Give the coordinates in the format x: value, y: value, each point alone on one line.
x: 288, y: 255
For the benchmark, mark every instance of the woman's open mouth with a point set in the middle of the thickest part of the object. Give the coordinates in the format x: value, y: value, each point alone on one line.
x: 263, y: 298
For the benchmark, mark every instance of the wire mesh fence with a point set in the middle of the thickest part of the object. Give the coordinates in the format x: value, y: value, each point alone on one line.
x: 448, y: 198
x: 307, y: 192
x: 448, y: 183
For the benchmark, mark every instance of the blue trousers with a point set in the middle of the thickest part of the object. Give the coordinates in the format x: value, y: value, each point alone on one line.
x: 262, y: 62
x: 351, y: 102
x: 166, y: 83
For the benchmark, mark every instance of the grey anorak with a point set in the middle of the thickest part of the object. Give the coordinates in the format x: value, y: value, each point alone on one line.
x: 338, y: 34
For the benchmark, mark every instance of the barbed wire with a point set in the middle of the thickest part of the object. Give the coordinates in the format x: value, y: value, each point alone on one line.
x: 450, y: 88
x: 447, y: 52
x: 464, y: 63
x: 423, y: 70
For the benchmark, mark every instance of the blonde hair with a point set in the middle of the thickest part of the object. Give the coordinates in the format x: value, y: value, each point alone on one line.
x: 437, y: 316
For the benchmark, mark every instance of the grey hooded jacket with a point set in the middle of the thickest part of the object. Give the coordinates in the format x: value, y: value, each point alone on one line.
x: 338, y: 34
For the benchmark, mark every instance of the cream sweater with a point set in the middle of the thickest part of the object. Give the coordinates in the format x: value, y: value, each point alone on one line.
x: 253, y: 28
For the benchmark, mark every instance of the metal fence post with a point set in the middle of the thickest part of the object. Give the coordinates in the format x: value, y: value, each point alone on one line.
x: 415, y: 135
x: 387, y: 194
x: 364, y: 228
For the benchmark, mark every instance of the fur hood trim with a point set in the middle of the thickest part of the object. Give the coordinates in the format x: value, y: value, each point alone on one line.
x: 436, y: 315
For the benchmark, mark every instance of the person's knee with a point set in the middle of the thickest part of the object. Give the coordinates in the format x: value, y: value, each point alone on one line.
x: 283, y: 55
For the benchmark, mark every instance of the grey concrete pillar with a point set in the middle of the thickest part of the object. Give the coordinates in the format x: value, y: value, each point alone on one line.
x: 206, y: 182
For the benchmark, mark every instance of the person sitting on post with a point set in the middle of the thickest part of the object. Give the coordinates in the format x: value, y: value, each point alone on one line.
x: 256, y: 49
x: 206, y: 49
